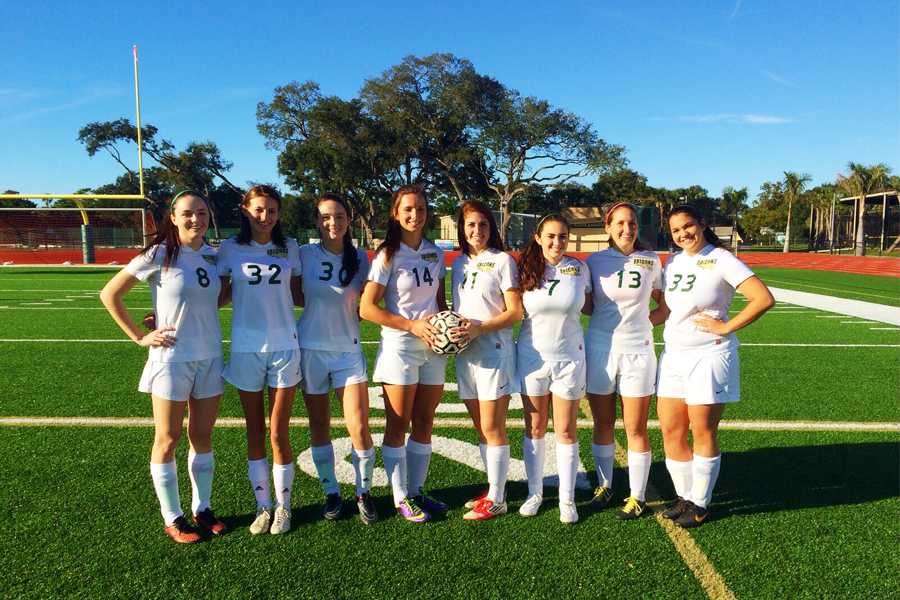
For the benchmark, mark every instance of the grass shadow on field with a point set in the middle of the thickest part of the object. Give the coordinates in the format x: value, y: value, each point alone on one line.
x: 776, y: 479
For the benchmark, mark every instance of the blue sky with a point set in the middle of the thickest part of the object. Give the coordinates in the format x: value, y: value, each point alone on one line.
x: 712, y: 93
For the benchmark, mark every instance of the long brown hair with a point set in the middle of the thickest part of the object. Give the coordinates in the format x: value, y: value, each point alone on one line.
x: 607, y: 218
x: 532, y: 262
x: 394, y: 232
x: 708, y: 234
x: 246, y: 234
x: 167, y: 233
x: 349, y: 259
x: 481, y: 208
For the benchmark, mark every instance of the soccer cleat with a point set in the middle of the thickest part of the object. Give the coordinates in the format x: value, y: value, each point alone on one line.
x: 208, y: 522
x: 182, y: 532
x: 333, y: 506
x: 431, y: 505
x: 602, y: 496
x: 693, y: 516
x: 282, y: 521
x: 470, y: 504
x: 485, y: 509
x: 676, y: 509
x: 531, y: 505
x: 411, y: 512
x: 567, y: 512
x: 262, y: 521
x: 633, y: 509
x: 366, y: 507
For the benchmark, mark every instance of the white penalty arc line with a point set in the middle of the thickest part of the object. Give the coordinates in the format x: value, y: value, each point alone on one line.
x: 512, y: 423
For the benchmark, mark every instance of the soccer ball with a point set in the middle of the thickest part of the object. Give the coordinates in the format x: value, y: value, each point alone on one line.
x: 443, y: 322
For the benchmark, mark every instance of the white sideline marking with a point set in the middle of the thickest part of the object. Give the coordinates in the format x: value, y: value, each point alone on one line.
x: 883, y: 329
x: 35, y: 303
x: 460, y: 451
x: 830, y: 317
x: 859, y: 322
x: 513, y: 423
x: 831, y: 289
x: 850, y: 308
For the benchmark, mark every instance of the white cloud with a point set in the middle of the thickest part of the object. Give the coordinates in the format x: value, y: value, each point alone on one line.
x: 735, y: 10
x: 778, y: 79
x: 734, y: 118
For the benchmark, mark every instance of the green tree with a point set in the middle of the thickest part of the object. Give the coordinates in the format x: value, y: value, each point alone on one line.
x: 793, y: 185
x: 733, y: 203
x: 16, y: 202
x: 859, y: 183
x: 528, y: 142
x: 621, y: 185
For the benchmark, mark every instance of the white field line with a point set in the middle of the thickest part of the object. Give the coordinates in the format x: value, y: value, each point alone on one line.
x: 859, y: 322
x: 695, y: 559
x: 830, y: 317
x: 831, y: 289
x: 884, y: 329
x: 35, y: 304
x: 851, y: 308
x: 513, y: 423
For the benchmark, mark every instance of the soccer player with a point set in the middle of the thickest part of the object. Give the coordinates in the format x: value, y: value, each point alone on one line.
x: 260, y: 267
x: 334, y: 273
x: 550, y: 359
x: 408, y: 274
x: 620, y: 354
x: 184, y: 368
x: 699, y: 367
x: 486, y: 292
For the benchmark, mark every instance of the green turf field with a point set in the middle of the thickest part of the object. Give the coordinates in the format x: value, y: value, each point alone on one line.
x: 799, y: 513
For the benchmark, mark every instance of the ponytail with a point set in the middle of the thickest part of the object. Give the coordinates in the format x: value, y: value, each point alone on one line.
x: 394, y: 232
x: 167, y: 233
x: 349, y: 258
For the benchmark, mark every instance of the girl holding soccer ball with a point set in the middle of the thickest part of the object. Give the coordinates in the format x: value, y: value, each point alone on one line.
x: 261, y: 269
x: 184, y: 368
x: 620, y: 353
x: 699, y: 367
x: 486, y: 293
x: 334, y: 273
x: 550, y: 359
x: 407, y: 273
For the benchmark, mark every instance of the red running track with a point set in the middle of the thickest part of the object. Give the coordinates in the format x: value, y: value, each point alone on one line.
x: 866, y: 265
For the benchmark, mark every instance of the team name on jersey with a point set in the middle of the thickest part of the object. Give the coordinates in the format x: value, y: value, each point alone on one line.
x: 485, y: 267
x: 210, y: 258
x: 430, y: 257
x: 279, y: 252
x: 706, y: 263
x: 573, y: 270
x: 645, y: 263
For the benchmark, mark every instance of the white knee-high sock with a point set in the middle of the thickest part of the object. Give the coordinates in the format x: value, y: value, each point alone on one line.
x: 395, y: 467
x: 323, y: 458
x: 534, y: 452
x: 363, y: 466
x: 497, y: 458
x: 567, y: 465
x: 165, y: 482
x: 258, y: 473
x: 482, y: 449
x: 638, y: 473
x: 604, y: 457
x: 705, y: 472
x: 681, y: 472
x: 201, y: 468
x: 418, y: 457
x: 283, y: 479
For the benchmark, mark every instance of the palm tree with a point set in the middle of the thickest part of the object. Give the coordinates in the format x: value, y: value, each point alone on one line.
x: 733, y: 202
x: 793, y: 187
x: 862, y: 181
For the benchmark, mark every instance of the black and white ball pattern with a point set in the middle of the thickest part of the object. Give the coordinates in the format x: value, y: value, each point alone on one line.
x: 443, y: 322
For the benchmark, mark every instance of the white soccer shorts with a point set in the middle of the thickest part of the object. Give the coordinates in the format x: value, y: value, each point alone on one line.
x: 323, y: 370
x: 564, y: 378
x: 396, y: 366
x: 633, y: 375
x: 486, y: 378
x: 179, y: 381
x: 253, y: 371
x: 700, y: 377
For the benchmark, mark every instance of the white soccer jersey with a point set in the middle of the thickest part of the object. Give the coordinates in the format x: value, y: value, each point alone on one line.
x: 263, y: 318
x: 411, y: 281
x: 700, y: 284
x: 330, y: 319
x: 478, y: 286
x: 622, y: 286
x: 185, y: 295
x: 552, y: 324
